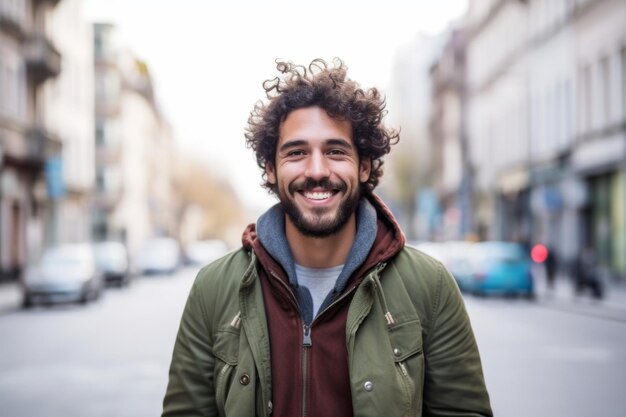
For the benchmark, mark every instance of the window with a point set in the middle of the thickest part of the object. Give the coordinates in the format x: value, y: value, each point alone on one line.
x: 11, y: 89
x: 623, y: 76
x: 567, y: 112
x: 99, y: 134
x: 559, y: 119
x: 100, y: 174
x: 2, y: 82
x: 20, y: 99
x: 585, y: 103
x: 113, y: 180
x: 605, y: 99
x: 547, y: 114
x: 534, y: 124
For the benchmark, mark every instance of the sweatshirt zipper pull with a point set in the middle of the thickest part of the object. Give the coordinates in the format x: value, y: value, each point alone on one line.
x: 306, y: 338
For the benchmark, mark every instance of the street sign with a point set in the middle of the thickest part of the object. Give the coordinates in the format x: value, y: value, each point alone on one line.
x: 54, y: 178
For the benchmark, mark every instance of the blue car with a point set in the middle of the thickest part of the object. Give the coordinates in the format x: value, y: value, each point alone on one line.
x: 502, y: 268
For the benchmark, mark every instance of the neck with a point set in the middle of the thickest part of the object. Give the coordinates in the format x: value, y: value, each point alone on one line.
x: 324, y: 252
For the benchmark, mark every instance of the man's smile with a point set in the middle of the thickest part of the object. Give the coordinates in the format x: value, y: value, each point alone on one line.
x: 317, y: 191
x: 318, y: 195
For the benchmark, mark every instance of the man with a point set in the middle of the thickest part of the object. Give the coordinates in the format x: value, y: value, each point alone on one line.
x: 324, y: 312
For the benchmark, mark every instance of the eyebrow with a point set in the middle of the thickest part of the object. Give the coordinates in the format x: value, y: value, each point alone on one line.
x: 300, y: 142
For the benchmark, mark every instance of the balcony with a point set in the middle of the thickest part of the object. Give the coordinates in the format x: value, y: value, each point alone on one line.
x: 10, y: 24
x: 40, y: 144
x: 42, y: 59
x: 51, y: 2
x: 107, y: 195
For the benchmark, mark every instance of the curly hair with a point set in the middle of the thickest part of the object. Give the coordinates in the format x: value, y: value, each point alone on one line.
x: 329, y: 88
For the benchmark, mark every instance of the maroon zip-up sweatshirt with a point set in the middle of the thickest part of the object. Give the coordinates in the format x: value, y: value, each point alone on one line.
x: 310, y: 372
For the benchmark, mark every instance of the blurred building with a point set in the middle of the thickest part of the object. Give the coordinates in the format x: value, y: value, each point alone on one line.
x: 497, y: 118
x: 451, y: 173
x: 546, y: 124
x: 68, y: 103
x: 135, y: 199
x: 405, y: 183
x: 30, y: 151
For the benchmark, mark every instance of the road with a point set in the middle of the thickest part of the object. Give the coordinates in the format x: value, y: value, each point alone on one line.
x: 110, y: 358
x: 539, y: 361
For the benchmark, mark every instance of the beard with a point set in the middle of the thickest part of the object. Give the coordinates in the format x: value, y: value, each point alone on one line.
x: 320, y: 222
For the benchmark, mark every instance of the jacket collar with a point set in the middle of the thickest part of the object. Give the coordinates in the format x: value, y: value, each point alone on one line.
x: 378, y: 239
x: 271, y: 232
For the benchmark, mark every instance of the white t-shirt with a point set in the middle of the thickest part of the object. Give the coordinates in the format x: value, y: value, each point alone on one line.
x: 319, y: 281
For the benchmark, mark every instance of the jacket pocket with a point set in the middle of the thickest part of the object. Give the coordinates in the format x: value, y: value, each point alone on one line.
x: 226, y: 352
x: 407, y: 350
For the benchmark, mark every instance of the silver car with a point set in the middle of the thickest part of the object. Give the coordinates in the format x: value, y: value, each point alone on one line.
x: 65, y: 273
x: 112, y: 260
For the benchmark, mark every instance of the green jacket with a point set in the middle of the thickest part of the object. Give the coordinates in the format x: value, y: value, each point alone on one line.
x: 410, y: 345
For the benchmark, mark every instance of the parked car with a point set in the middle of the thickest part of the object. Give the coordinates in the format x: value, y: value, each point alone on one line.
x: 158, y: 256
x: 65, y: 273
x: 501, y: 268
x: 202, y: 252
x: 112, y: 260
x: 455, y: 256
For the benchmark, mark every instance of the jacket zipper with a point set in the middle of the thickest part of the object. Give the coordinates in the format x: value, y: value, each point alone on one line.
x: 306, y: 333
x: 306, y: 345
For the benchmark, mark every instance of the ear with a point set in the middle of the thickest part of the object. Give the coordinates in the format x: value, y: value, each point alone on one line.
x: 270, y: 171
x: 365, y: 168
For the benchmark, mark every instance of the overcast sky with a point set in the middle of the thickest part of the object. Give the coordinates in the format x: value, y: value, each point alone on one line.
x: 209, y: 59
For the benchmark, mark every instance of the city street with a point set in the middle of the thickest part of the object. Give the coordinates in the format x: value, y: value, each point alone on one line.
x: 110, y: 358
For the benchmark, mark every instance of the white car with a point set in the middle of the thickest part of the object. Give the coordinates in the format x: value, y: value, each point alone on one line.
x: 158, y: 256
x: 65, y: 273
x: 112, y: 260
x: 203, y: 252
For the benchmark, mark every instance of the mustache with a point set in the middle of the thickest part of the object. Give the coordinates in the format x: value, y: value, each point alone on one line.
x: 309, y: 184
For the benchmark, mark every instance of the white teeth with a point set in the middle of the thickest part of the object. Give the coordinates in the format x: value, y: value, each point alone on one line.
x: 318, y: 196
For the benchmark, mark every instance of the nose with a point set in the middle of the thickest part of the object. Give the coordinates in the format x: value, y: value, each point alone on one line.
x: 317, y: 166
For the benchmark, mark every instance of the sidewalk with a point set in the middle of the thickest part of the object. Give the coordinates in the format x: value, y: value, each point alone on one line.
x: 10, y: 297
x: 563, y: 297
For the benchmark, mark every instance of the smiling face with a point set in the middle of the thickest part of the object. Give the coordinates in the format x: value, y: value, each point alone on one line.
x: 317, y: 171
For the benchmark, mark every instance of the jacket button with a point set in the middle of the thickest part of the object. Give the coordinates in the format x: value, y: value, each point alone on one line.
x: 396, y: 351
x: 244, y: 380
x: 368, y: 386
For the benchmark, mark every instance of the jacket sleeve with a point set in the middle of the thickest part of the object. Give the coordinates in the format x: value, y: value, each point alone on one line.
x: 190, y: 391
x: 454, y: 384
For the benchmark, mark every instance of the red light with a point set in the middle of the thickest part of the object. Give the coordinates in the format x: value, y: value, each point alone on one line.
x: 539, y: 253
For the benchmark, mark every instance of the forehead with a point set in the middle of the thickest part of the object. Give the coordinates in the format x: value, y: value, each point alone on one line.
x: 313, y: 123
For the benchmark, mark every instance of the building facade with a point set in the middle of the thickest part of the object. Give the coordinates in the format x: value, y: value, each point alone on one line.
x: 135, y: 198
x: 69, y: 114
x: 29, y: 150
x: 448, y: 133
x: 546, y: 125
x: 406, y: 184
